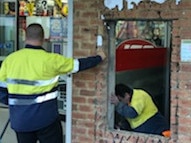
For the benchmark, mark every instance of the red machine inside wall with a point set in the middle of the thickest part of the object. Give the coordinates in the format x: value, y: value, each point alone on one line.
x: 137, y: 54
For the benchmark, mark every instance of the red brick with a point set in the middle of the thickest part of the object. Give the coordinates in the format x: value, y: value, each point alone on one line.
x: 89, y: 89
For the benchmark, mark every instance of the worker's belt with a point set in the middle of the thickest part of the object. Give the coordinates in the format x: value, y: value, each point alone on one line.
x: 29, y: 101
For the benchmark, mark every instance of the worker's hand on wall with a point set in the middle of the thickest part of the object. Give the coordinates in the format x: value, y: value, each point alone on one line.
x: 101, y: 53
x: 114, y: 99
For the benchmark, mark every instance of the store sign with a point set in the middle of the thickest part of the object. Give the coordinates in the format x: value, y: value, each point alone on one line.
x: 130, y: 3
x: 56, y: 28
x: 185, y: 53
x: 6, y: 45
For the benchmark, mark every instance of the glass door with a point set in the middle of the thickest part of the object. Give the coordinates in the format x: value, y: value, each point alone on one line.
x: 8, y: 29
x: 53, y: 15
x: 8, y: 44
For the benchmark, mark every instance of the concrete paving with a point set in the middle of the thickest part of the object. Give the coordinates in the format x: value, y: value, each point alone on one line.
x: 9, y: 136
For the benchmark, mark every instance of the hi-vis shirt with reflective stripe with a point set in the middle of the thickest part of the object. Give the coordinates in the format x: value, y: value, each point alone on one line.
x: 31, y: 76
x: 37, y: 99
x: 34, y: 72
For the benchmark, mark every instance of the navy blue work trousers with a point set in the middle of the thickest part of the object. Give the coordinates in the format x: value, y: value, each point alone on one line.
x: 50, y: 134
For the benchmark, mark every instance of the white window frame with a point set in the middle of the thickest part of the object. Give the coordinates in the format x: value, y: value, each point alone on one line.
x: 68, y: 129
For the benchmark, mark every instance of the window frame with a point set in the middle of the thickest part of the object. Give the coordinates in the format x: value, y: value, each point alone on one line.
x: 111, y: 25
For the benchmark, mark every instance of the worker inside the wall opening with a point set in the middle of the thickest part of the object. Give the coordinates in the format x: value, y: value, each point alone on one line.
x: 30, y: 77
x: 138, y: 108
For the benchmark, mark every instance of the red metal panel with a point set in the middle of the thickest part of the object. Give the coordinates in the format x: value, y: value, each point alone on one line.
x: 131, y: 59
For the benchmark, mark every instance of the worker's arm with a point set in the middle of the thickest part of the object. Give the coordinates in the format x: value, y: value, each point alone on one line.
x: 125, y: 110
x: 3, y: 85
x: 3, y: 93
x: 88, y: 62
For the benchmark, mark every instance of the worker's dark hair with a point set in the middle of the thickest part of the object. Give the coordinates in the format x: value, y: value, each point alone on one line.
x: 35, y: 32
x: 121, y: 89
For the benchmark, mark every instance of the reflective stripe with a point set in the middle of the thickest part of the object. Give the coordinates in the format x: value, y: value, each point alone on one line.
x: 33, y: 83
x: 76, y: 66
x: 39, y: 99
x: 3, y: 84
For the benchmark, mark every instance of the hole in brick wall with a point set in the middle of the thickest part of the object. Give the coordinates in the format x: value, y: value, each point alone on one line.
x: 140, y: 73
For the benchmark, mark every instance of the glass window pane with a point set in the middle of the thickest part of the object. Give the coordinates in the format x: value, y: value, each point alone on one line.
x: 153, y: 31
x: 134, y: 57
x: 7, y: 28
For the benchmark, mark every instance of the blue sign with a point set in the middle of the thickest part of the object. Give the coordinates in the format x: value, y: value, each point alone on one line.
x: 6, y: 45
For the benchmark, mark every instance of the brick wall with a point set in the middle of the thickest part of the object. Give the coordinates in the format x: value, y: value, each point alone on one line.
x: 90, y: 87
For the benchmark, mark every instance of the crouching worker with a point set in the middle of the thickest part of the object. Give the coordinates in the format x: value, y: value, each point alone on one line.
x: 138, y: 108
x: 29, y: 82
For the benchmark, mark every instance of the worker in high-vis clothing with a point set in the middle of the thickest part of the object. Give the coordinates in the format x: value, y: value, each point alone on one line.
x: 30, y: 78
x: 138, y: 108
